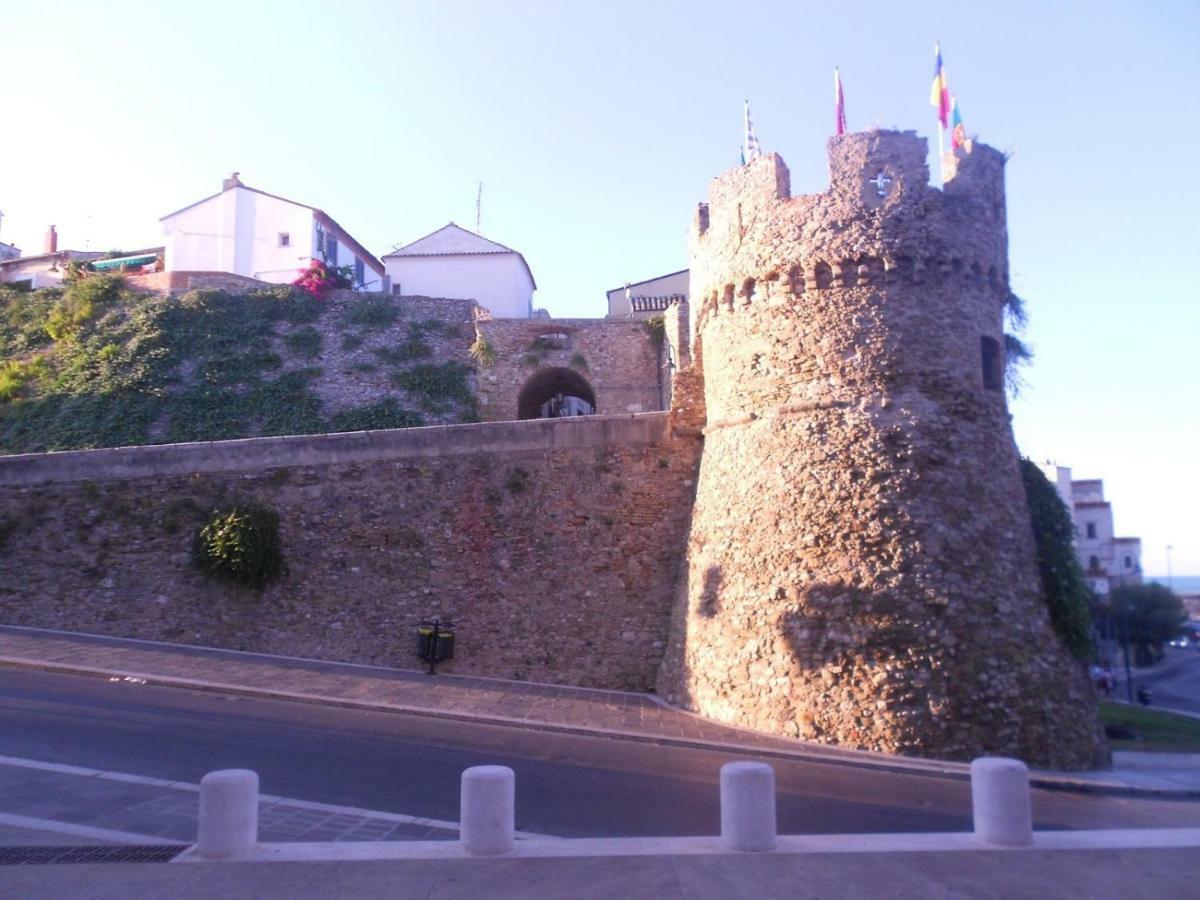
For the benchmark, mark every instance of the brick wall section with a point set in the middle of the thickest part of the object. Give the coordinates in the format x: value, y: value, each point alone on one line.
x: 619, y: 361
x: 860, y: 566
x: 554, y: 544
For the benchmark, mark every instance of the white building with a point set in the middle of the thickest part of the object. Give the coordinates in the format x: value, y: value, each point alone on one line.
x: 458, y: 264
x: 250, y: 232
x: 8, y: 251
x: 646, y: 299
x: 1108, y: 561
x: 45, y: 269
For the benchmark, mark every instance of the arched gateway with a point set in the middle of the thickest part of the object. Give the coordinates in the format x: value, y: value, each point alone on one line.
x: 555, y: 393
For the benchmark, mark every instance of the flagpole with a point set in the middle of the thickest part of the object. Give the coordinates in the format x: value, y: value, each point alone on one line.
x: 937, y: 52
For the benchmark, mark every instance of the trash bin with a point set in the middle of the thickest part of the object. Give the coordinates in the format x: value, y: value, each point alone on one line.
x: 445, y: 643
x: 435, y: 642
x: 425, y: 640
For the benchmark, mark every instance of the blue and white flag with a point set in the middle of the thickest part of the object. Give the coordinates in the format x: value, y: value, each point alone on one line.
x: 752, y: 150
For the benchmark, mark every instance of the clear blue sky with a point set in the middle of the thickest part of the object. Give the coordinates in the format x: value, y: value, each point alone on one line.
x: 595, y: 128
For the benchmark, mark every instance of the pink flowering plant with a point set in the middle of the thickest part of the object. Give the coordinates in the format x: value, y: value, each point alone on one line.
x: 319, y: 279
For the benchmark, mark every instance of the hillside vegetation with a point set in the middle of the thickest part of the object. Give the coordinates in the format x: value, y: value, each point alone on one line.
x: 98, y: 365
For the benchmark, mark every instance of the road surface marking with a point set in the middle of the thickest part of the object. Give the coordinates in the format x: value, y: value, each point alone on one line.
x: 82, y: 831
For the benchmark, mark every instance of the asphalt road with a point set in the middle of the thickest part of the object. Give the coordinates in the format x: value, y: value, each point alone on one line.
x: 1175, y: 682
x: 566, y: 785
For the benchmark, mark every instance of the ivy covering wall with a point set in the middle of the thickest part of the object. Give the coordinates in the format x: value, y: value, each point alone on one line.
x: 1063, y: 586
x: 95, y: 364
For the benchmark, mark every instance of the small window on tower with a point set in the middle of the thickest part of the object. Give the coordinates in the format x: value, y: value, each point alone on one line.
x: 1091, y: 529
x: 285, y: 239
x: 993, y: 366
x: 1128, y: 562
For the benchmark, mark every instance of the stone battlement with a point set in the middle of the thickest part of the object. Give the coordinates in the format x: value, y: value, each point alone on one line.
x: 878, y: 223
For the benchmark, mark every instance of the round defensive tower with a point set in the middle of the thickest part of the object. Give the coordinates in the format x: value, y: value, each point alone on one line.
x: 861, y: 567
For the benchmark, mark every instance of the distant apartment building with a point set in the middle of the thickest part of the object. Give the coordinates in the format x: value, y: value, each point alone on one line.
x: 1108, y: 561
x: 647, y: 299
x: 248, y: 232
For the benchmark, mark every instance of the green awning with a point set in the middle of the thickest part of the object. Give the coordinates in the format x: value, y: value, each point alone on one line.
x: 120, y: 262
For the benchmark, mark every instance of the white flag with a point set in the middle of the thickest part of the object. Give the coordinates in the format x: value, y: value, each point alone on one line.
x: 753, y: 151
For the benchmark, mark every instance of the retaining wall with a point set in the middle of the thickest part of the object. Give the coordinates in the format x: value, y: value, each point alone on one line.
x: 553, y: 544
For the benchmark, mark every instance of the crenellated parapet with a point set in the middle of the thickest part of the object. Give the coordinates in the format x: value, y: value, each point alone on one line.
x: 879, y: 223
x: 908, y: 279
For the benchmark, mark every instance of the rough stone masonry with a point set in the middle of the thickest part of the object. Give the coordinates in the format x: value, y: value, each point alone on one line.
x: 853, y: 563
x: 860, y: 567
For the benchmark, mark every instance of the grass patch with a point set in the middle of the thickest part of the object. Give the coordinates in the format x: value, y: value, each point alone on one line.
x: 437, y: 386
x: 384, y: 414
x: 1155, y: 729
x: 305, y: 342
x: 15, y: 374
x: 372, y: 314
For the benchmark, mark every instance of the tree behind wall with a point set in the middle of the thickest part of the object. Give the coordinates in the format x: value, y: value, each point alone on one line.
x: 1063, y: 586
x: 1153, y: 615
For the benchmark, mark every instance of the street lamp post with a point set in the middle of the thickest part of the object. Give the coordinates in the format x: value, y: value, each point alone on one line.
x: 1170, y: 583
x: 1125, y: 648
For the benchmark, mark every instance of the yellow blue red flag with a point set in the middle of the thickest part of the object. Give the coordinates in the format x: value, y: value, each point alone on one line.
x: 939, y: 94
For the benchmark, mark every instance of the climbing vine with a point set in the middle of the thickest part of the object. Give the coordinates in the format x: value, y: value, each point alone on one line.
x: 1064, y: 589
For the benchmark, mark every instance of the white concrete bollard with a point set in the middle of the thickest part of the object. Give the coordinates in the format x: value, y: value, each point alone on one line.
x: 1000, y: 801
x: 487, y: 815
x: 748, y: 806
x: 228, y: 814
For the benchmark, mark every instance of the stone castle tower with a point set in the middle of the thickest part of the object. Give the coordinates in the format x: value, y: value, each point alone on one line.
x: 860, y: 567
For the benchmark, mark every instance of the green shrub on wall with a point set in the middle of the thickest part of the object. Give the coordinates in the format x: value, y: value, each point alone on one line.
x: 1063, y: 587
x: 80, y: 303
x: 483, y: 352
x: 387, y: 413
x: 240, y: 544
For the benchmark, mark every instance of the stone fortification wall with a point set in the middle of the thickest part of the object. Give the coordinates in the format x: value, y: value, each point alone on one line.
x: 361, y: 356
x: 617, y: 360
x: 554, y: 544
x: 860, y: 567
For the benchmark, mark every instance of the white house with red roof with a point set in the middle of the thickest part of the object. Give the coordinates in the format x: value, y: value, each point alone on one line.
x: 459, y: 264
x: 249, y: 232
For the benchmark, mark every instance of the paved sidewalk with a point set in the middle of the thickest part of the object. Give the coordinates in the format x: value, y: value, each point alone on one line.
x: 82, y: 806
x: 1003, y: 875
x: 616, y: 714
